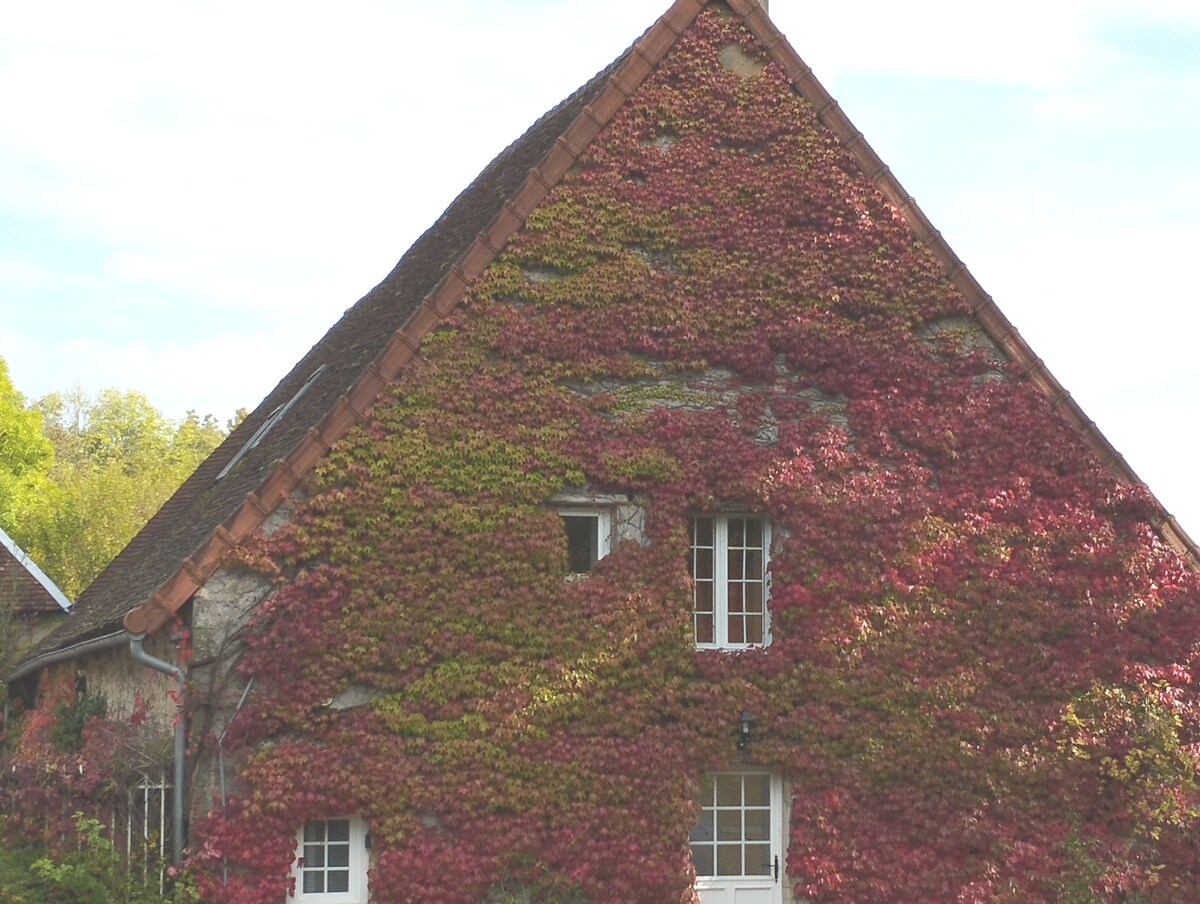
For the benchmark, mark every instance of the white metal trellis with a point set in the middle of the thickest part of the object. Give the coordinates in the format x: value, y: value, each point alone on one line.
x: 147, y: 824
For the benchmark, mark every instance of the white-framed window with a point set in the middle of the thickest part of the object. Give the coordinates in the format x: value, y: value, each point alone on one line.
x: 727, y: 561
x: 588, y: 530
x: 331, y: 862
x: 737, y: 843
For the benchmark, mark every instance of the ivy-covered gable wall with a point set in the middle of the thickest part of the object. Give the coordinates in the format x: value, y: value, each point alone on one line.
x: 978, y: 686
x: 979, y: 682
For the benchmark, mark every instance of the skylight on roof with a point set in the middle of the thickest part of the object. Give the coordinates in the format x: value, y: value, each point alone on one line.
x: 274, y: 418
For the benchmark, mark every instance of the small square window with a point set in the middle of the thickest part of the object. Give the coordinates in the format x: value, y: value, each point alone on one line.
x: 331, y: 862
x: 588, y: 534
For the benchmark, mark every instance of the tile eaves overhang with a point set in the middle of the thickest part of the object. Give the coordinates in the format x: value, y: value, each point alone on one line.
x: 351, y: 407
x: 625, y: 77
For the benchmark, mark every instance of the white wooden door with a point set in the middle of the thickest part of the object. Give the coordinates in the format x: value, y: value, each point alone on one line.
x: 737, y: 844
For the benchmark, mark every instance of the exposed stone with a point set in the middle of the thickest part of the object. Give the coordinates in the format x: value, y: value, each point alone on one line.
x: 740, y: 63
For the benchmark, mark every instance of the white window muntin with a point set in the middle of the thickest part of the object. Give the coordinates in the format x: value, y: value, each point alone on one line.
x: 737, y: 842
x: 331, y: 862
x: 728, y: 558
x: 589, y: 535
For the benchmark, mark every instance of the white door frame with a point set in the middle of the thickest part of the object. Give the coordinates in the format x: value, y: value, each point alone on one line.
x: 753, y: 889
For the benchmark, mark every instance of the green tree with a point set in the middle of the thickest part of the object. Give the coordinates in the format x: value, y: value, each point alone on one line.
x: 117, y: 459
x: 26, y: 455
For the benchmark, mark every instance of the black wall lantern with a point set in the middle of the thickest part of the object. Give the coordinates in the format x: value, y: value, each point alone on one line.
x: 745, y: 729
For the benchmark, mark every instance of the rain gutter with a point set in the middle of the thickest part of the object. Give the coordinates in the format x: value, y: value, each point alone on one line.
x: 105, y: 642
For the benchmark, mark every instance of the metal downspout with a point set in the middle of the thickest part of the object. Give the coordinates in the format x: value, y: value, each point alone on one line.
x: 140, y: 655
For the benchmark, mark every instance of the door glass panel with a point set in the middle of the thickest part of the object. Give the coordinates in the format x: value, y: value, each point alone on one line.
x: 734, y: 838
x: 729, y: 790
x: 758, y: 790
x: 758, y: 860
x: 729, y: 860
x: 758, y: 825
x: 729, y: 825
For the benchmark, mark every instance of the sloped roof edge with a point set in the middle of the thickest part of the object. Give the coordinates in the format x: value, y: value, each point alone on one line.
x: 352, y: 406
x: 22, y: 558
x: 983, y: 306
x: 639, y: 63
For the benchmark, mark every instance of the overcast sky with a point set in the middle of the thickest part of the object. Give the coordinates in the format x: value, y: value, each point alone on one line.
x: 192, y: 191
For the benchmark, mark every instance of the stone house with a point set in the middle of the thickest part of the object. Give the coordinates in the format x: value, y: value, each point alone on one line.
x: 679, y: 518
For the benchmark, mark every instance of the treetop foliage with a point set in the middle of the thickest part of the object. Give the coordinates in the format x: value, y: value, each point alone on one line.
x: 80, y: 475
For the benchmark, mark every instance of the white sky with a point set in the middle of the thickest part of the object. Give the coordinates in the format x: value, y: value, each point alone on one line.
x: 188, y: 185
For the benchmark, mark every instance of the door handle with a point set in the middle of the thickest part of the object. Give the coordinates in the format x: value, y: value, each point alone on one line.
x: 776, y: 867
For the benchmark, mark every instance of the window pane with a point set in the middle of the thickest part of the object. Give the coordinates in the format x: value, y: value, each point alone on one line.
x: 753, y: 594
x: 339, y: 830
x: 735, y: 565
x: 703, y: 597
x: 729, y: 860
x: 702, y: 857
x: 758, y: 860
x: 737, y: 629
x: 735, y: 598
x: 314, y: 883
x: 754, y: 629
x: 758, y: 790
x: 729, y: 790
x: 704, y: 628
x: 339, y: 881
x: 754, y: 532
x: 754, y: 564
x: 339, y: 855
x: 702, y: 564
x: 314, y: 831
x: 702, y: 531
x: 583, y: 541
x: 314, y: 856
x: 737, y: 531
